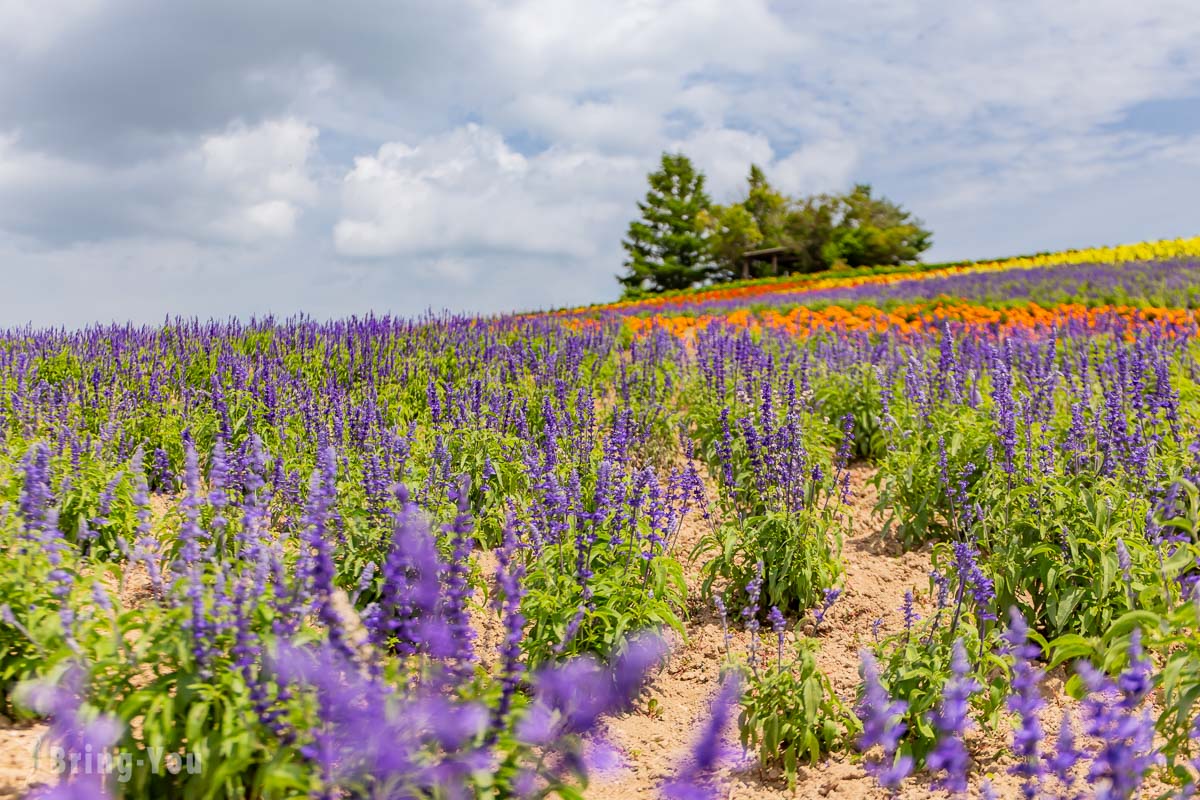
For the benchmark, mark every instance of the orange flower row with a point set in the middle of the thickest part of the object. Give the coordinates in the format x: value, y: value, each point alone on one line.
x: 911, y: 319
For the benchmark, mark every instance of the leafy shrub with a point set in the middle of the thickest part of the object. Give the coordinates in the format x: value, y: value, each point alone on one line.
x: 790, y: 714
x: 855, y: 393
x: 623, y: 593
x: 799, y: 554
x: 920, y: 478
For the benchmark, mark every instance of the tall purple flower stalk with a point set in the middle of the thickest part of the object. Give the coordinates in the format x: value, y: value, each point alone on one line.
x: 951, y: 721
x: 458, y: 589
x: 1061, y: 763
x: 696, y: 778
x: 883, y: 726
x: 778, y: 626
x: 750, y: 613
x: 507, y: 602
x: 1122, y: 728
x: 188, y: 564
x: 79, y: 734
x: 145, y: 546
x: 318, y: 562
x: 408, y: 619
x: 1025, y: 700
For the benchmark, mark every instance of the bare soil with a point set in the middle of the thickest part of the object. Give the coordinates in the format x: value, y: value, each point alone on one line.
x: 657, y: 735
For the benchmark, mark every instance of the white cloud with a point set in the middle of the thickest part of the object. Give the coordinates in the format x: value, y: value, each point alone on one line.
x: 244, y: 185
x: 725, y: 156
x: 469, y: 191
x: 823, y: 166
x: 32, y: 26
x: 469, y: 145
x: 263, y: 175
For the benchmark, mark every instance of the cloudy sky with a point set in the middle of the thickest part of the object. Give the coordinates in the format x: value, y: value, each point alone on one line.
x: 244, y: 157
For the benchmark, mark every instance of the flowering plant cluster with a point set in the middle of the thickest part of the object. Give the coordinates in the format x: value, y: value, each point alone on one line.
x: 427, y: 558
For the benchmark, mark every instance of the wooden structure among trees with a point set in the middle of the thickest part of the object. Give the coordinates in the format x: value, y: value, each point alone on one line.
x: 775, y: 256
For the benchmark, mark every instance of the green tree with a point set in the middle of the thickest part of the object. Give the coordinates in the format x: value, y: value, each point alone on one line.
x: 874, y: 231
x: 666, y: 246
x: 808, y: 232
x: 731, y: 231
x: 767, y: 206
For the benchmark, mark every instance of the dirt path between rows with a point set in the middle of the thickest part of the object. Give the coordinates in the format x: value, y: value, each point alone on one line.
x: 657, y: 735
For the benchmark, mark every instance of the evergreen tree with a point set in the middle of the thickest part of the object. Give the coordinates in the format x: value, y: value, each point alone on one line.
x: 667, y: 248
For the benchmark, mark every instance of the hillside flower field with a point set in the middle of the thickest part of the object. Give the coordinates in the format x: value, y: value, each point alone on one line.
x: 888, y: 533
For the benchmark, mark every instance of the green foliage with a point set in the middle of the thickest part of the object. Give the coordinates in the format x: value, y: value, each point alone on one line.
x: 914, y: 665
x: 666, y: 246
x: 918, y: 503
x: 808, y: 232
x: 1053, y: 553
x: 874, y: 231
x: 790, y: 713
x: 855, y: 392
x: 629, y: 593
x: 731, y: 231
x: 799, y: 551
x: 682, y: 239
x: 766, y: 205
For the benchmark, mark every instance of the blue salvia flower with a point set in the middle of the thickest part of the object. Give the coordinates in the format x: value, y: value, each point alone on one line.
x: 408, y: 618
x: 942, y: 582
x: 1025, y: 700
x: 146, y: 546
x: 365, y: 732
x: 365, y: 577
x: 842, y: 457
x: 1125, y: 748
x: 458, y: 589
x: 104, y: 505
x: 952, y: 720
x: 77, y: 731
x: 1061, y: 763
x: 1125, y: 562
x: 883, y: 726
x: 778, y: 624
x: 972, y: 580
x: 1136, y: 679
x: 1190, y: 788
x: 750, y: 612
x: 696, y: 778
x: 831, y: 596
x: 36, y: 496
x: 910, y: 614
x: 510, y: 591
x: 571, y: 630
x: 318, y: 565
x: 569, y: 698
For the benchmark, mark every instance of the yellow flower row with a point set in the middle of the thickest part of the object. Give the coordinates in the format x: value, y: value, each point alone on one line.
x: 1143, y: 251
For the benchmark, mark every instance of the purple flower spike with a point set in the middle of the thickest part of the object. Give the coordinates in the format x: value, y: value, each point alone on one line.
x: 1026, y: 702
x: 696, y: 779
x: 952, y: 721
x: 883, y: 725
x: 831, y: 597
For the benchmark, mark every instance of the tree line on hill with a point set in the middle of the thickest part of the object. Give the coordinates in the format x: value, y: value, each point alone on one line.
x: 683, y: 239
